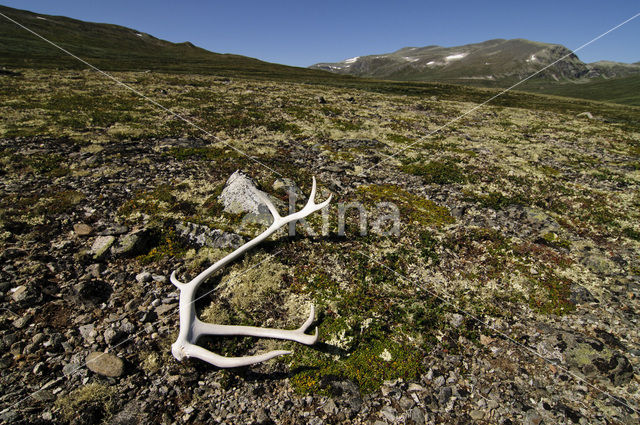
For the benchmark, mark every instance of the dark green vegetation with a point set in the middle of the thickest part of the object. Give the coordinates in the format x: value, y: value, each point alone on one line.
x: 617, y: 90
x: 115, y: 48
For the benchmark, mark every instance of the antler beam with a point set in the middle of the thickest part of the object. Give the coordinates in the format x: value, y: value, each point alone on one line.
x: 191, y: 328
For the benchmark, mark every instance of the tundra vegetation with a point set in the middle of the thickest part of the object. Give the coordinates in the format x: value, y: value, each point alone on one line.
x: 512, y: 214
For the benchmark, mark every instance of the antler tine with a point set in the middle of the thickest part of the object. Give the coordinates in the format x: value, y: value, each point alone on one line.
x: 175, y: 280
x: 311, y: 205
x: 312, y: 196
x: 227, y: 362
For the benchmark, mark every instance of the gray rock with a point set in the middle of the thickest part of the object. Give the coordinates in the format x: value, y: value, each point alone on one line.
x: 588, y: 355
x: 413, y: 387
x: 406, y: 403
x: 585, y: 114
x: 127, y: 327
x: 134, y: 243
x: 82, y: 229
x: 600, y: 264
x: 19, y: 293
x: 105, y: 364
x: 330, y: 407
x: 144, y: 277
x: 456, y: 320
x: 240, y: 195
x: 204, y: 236
x: 580, y: 295
x: 262, y: 417
x: 389, y: 413
x: 95, y: 270
x: 112, y: 336
x: 22, y: 321
x: 87, y: 332
x: 166, y: 308
x: 131, y: 414
x: 444, y: 395
x: 159, y: 278
x: 417, y: 416
x: 532, y: 418
x: 9, y: 417
x: 101, y: 246
x: 476, y: 415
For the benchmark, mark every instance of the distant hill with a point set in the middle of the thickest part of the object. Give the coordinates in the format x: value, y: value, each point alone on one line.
x: 117, y: 48
x: 624, y: 90
x: 493, y: 63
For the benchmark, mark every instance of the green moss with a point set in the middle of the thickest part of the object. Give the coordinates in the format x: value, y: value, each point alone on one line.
x: 372, y: 328
x: 555, y: 297
x: 94, y: 394
x: 208, y: 153
x: 347, y: 125
x: 52, y: 165
x: 153, y: 202
x: 282, y: 126
x: 398, y: 138
x: 551, y: 239
x: 330, y: 111
x: 428, y: 248
x: 496, y: 200
x: 631, y: 233
x: 169, y: 246
x: 412, y: 207
x: 368, y: 367
x: 438, y: 172
x: 60, y: 202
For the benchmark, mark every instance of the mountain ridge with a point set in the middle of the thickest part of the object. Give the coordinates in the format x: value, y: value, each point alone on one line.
x: 491, y: 60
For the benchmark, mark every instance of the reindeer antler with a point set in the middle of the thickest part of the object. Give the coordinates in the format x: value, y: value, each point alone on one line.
x: 191, y: 328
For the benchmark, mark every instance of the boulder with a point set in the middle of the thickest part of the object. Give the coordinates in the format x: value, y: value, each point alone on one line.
x: 105, y: 364
x: 240, y: 195
x: 101, y: 246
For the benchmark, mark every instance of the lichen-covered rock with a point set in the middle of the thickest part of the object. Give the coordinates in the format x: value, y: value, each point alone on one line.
x: 587, y: 355
x: 240, y: 195
x: 201, y: 235
x: 82, y: 229
x: 134, y: 243
x: 101, y: 246
x: 105, y: 364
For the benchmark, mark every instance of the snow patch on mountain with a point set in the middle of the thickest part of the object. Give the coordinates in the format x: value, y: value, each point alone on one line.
x: 456, y: 56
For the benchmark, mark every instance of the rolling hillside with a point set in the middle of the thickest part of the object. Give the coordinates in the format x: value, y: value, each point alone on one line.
x: 117, y: 48
x: 623, y: 90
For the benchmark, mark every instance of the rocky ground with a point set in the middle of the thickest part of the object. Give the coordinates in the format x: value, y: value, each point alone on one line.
x: 509, y: 295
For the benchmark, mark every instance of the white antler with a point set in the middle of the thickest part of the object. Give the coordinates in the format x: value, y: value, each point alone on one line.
x: 191, y: 328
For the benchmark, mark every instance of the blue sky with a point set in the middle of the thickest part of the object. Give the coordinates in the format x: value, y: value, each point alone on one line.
x: 301, y: 33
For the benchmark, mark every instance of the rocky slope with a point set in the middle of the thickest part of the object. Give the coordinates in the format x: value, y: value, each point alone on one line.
x: 510, y: 295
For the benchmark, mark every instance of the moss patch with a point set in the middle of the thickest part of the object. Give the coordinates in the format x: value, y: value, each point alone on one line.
x: 94, y: 396
x: 412, y: 207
